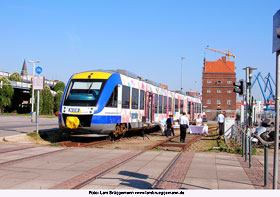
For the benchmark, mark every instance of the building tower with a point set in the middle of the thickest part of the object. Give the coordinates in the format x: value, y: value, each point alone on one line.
x: 217, y: 88
x: 24, y: 69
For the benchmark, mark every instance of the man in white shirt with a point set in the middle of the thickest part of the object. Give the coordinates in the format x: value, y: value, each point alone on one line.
x: 184, y: 124
x: 221, y: 120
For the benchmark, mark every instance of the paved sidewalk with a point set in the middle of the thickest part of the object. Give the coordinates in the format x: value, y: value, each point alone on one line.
x: 44, y: 167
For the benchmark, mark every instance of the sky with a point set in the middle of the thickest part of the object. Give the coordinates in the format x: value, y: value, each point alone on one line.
x: 146, y: 37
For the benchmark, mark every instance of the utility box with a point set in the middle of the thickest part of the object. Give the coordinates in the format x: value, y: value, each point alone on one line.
x: 228, y: 127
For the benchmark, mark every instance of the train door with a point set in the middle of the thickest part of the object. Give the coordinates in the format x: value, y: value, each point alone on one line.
x: 149, y: 107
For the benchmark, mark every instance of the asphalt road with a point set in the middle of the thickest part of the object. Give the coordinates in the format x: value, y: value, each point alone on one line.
x: 14, y: 125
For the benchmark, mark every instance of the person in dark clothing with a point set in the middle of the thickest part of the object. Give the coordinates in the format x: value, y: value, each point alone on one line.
x: 169, y: 125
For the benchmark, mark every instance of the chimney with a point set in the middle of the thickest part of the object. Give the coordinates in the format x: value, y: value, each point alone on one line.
x: 224, y: 58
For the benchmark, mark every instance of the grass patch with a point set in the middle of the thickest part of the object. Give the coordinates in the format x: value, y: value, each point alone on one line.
x: 157, y: 148
x: 33, y: 135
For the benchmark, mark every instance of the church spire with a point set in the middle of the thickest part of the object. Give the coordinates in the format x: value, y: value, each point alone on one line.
x: 24, y: 69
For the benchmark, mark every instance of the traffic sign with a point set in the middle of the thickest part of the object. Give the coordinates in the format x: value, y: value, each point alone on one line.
x: 276, y: 32
x: 38, y: 82
x: 38, y: 70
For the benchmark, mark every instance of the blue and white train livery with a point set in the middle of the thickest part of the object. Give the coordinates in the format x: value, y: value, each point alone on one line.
x: 106, y: 103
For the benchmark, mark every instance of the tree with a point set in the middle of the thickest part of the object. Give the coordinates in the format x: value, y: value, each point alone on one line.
x: 15, y: 77
x: 6, y: 93
x: 57, y: 100
x: 59, y: 86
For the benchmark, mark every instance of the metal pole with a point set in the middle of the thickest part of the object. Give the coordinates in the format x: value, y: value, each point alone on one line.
x: 250, y: 151
x: 265, y: 165
x: 37, y: 114
x: 32, y: 106
x: 247, y: 112
x: 276, y: 136
x: 182, y: 59
x: 243, y: 144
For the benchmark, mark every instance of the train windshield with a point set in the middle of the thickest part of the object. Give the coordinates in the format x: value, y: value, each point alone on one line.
x: 84, y: 92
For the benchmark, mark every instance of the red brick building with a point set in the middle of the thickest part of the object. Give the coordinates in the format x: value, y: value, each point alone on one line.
x: 217, y: 88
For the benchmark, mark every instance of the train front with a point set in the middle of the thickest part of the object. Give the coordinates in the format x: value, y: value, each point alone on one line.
x: 86, y: 95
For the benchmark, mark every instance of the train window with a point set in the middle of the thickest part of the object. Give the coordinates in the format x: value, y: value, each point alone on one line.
x: 169, y: 104
x: 135, y: 97
x: 176, y: 105
x: 160, y: 104
x: 156, y: 103
x: 84, y: 92
x: 181, y: 106
x: 125, y: 97
x: 164, y: 104
x: 113, y: 100
x: 142, y: 98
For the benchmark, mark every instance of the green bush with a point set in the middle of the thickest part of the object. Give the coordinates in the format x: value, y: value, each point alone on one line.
x: 59, y: 86
x: 46, y: 101
x: 15, y: 77
x: 57, y: 100
x: 6, y: 93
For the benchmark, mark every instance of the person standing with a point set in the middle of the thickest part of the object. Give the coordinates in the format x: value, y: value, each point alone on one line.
x: 198, y: 121
x: 221, y: 120
x: 169, y: 125
x: 184, y: 124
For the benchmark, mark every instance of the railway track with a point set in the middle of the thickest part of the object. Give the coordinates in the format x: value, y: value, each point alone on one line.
x: 163, y: 177
x: 82, y: 180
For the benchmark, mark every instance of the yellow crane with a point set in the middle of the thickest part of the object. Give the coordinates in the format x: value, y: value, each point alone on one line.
x: 228, y: 54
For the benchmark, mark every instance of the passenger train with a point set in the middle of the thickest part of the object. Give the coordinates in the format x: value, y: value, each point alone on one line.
x: 111, y: 103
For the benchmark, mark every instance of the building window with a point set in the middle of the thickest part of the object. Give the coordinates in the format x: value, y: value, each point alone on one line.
x: 229, y: 91
x: 181, y: 106
x: 125, y: 97
x: 209, y: 81
x: 229, y: 102
x: 219, y: 91
x: 208, y: 101
x: 219, y: 102
x: 229, y: 82
x: 208, y: 91
x: 135, y: 96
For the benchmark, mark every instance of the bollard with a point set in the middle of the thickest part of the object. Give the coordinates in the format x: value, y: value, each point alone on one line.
x: 265, y: 165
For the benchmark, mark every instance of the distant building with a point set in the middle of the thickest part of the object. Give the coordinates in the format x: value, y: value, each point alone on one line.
x: 24, y: 69
x: 195, y: 94
x: 217, y: 88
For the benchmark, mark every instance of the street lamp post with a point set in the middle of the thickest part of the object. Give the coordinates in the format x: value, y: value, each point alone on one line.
x: 182, y: 60
x: 33, y: 62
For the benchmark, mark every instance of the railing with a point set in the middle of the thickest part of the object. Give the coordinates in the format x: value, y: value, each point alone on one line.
x: 20, y: 84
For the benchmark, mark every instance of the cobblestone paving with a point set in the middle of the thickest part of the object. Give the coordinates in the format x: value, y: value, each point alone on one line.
x: 176, y: 175
x: 93, y: 173
x: 256, y: 173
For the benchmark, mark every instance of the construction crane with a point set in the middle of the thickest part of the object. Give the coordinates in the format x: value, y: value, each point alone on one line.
x: 268, y: 82
x: 228, y: 54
